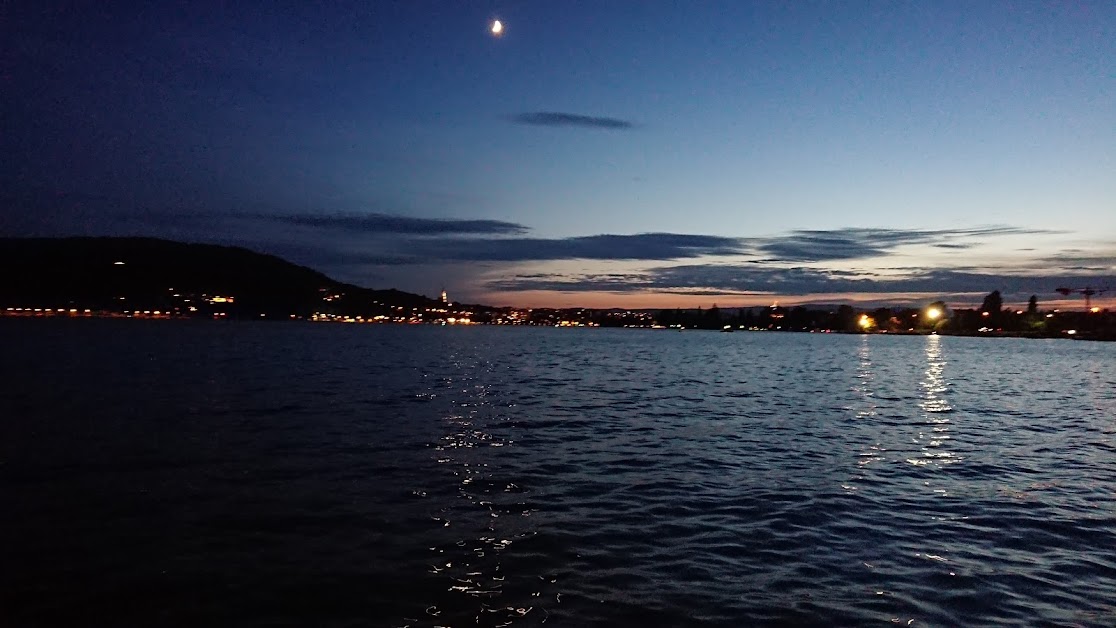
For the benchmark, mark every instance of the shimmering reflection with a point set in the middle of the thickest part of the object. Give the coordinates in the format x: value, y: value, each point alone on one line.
x: 489, y: 516
x: 935, y: 435
x: 867, y: 405
x: 933, y: 383
x: 865, y: 376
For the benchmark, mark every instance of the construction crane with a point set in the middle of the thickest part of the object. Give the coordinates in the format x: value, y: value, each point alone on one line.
x: 1087, y: 291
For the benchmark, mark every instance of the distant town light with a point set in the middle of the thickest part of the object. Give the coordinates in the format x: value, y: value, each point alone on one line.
x: 1094, y: 309
x: 118, y: 263
x: 934, y: 313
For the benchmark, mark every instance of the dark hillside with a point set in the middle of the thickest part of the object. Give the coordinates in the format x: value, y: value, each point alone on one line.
x: 148, y: 273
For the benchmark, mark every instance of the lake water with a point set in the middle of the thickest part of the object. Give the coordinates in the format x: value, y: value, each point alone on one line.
x: 194, y: 473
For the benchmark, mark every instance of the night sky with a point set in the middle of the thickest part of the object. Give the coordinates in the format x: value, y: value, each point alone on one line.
x: 596, y: 153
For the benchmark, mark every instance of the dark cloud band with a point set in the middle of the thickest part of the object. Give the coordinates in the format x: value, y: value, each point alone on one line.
x: 854, y: 243
x: 794, y: 248
x: 558, y: 119
x: 640, y: 246
x: 389, y: 224
x: 739, y: 279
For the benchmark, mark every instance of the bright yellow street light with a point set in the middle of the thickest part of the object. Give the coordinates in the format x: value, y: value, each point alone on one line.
x: 933, y: 313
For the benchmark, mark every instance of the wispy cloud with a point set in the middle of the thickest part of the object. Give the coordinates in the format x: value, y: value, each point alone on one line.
x: 640, y: 246
x: 1103, y: 261
x: 422, y: 241
x: 375, y: 223
x: 856, y: 243
x: 757, y: 278
x: 559, y: 119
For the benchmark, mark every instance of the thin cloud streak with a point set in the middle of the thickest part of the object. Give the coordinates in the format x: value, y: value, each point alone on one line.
x: 1077, y: 260
x: 640, y: 246
x: 857, y: 243
x: 376, y: 223
x: 723, y: 278
x: 559, y: 119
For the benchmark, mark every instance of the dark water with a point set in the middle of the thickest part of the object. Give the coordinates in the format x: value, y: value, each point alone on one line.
x: 190, y: 474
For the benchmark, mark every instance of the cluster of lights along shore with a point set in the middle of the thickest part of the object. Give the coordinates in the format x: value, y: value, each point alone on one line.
x: 928, y: 319
x: 182, y: 306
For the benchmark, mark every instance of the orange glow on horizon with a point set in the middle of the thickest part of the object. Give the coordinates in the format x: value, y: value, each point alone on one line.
x: 667, y: 300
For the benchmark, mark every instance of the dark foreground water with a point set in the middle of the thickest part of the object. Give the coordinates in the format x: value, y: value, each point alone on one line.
x: 198, y: 474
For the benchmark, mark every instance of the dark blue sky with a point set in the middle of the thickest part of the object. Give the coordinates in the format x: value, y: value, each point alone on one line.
x: 597, y: 152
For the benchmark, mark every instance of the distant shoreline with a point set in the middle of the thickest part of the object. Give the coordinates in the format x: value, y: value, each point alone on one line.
x: 58, y: 314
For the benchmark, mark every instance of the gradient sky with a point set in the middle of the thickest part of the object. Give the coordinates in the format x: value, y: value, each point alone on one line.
x: 598, y: 153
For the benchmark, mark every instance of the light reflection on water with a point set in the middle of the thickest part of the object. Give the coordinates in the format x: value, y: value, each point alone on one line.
x: 865, y: 377
x: 866, y: 406
x: 936, y: 433
x: 487, y: 517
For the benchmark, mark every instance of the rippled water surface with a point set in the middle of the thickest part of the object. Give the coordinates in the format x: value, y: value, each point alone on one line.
x: 189, y: 474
